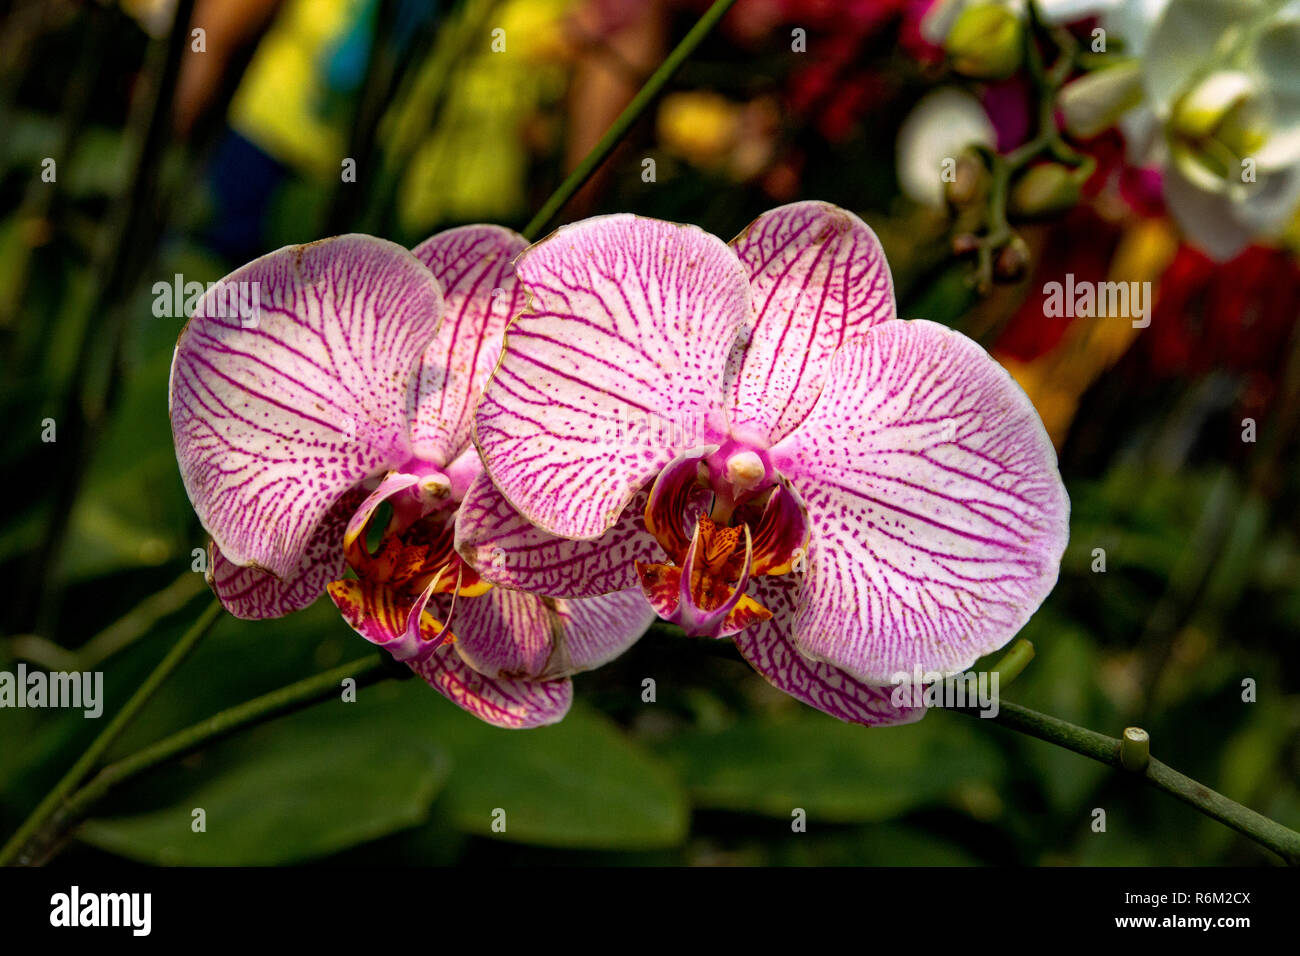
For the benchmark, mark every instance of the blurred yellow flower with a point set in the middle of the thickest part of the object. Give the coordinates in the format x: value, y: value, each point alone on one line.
x: 700, y: 126
x: 277, y: 105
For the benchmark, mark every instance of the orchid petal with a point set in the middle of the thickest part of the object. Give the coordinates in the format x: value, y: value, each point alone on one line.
x: 599, y: 629
x: 782, y: 535
x: 506, y: 548
x: 474, y: 266
x: 254, y: 594
x: 1182, y: 44
x: 615, y: 368
x: 277, y: 414
x: 769, y: 650
x: 516, y: 704
x: 513, y: 634
x: 938, y: 515
x: 818, y: 277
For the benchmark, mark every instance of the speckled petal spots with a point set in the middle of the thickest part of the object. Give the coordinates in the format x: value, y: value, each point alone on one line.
x: 507, y: 549
x: 710, y: 622
x: 515, y: 704
x: 818, y: 277
x: 474, y: 265
x: 938, y: 515
x: 699, y: 602
x: 253, y: 594
x: 768, y: 648
x: 614, y: 369
x: 597, y: 630
x: 280, y: 409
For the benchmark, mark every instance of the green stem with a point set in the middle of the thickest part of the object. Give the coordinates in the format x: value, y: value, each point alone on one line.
x: 54, y: 799
x: 1013, y: 662
x: 1047, y: 138
x: 368, y: 670
x: 618, y: 129
x: 1267, y: 833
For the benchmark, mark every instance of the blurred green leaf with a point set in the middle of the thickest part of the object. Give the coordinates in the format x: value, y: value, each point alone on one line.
x: 579, y: 783
x: 835, y: 771
x: 1062, y: 681
x: 299, y: 788
x: 582, y: 783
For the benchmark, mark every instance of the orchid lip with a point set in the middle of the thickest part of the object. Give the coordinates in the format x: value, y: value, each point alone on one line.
x: 411, y: 647
x: 695, y: 620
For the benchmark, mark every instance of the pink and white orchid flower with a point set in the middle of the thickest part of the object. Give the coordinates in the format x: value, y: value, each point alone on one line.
x: 851, y: 496
x: 356, y: 386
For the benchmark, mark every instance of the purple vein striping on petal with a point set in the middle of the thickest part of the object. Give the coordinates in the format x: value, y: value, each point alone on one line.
x: 819, y: 277
x: 274, y: 423
x: 628, y: 319
x: 938, y: 516
x: 474, y: 265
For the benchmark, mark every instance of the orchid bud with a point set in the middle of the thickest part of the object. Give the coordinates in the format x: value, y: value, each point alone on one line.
x: 1094, y: 103
x: 1044, y: 190
x: 969, y: 182
x: 986, y: 42
x: 1012, y: 260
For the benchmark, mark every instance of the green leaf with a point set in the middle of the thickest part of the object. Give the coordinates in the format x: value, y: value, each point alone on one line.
x: 835, y: 771
x: 579, y: 783
x: 299, y: 788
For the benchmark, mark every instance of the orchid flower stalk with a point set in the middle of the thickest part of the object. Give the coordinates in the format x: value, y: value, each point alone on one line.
x: 355, y: 389
x: 749, y: 433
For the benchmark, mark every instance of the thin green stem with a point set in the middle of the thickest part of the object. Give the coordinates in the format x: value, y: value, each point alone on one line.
x: 1013, y: 662
x: 122, y: 633
x: 87, y: 761
x: 1047, y: 139
x: 1268, y: 833
x: 631, y: 113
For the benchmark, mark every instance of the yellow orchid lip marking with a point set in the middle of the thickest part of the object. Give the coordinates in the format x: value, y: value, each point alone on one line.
x: 705, y: 595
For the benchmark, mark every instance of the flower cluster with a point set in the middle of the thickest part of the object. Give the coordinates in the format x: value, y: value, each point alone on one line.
x: 427, y: 437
